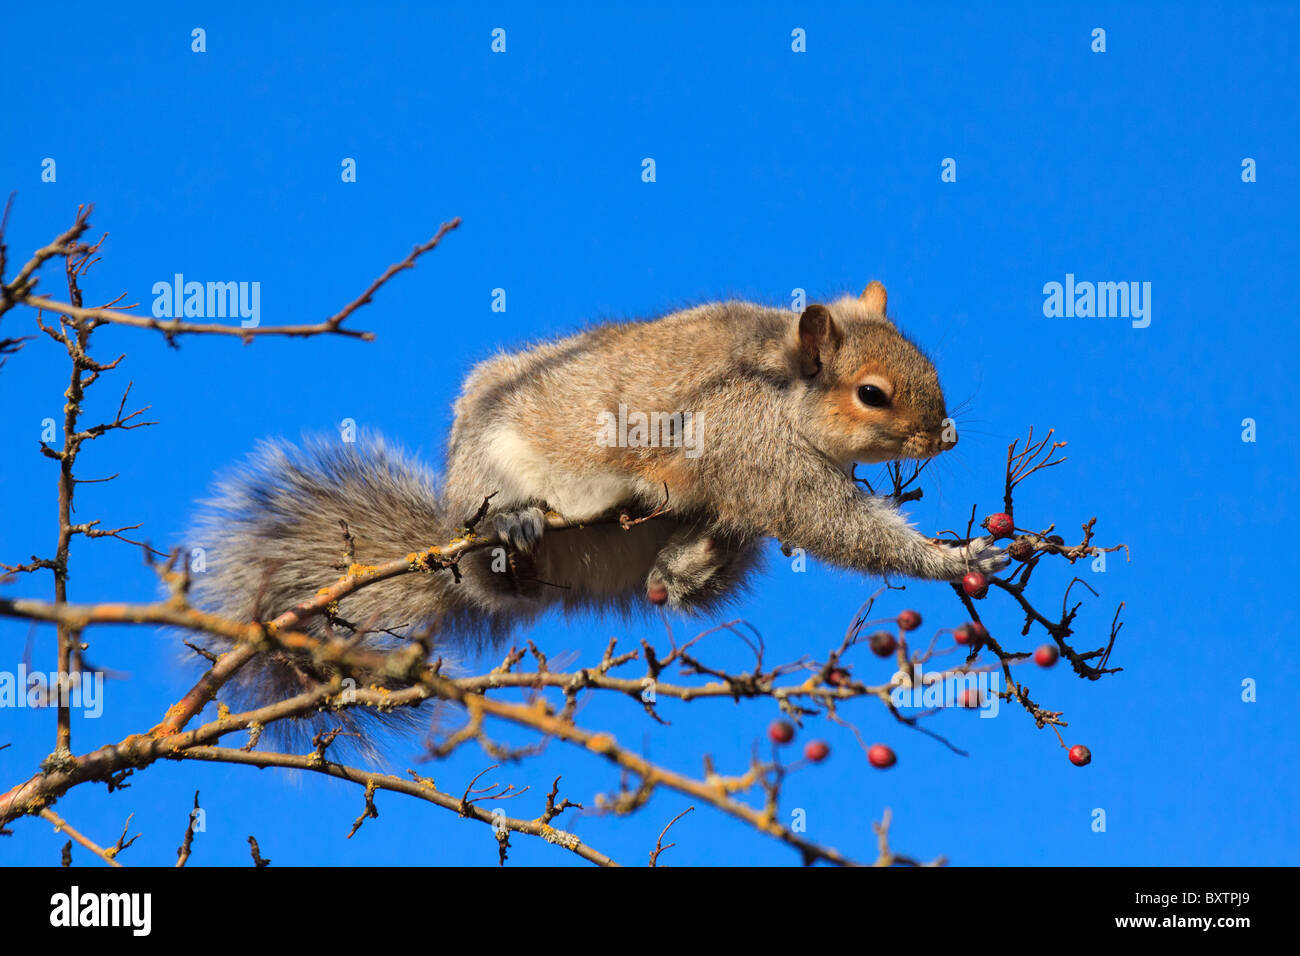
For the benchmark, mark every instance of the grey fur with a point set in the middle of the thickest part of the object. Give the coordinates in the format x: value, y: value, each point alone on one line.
x: 780, y: 431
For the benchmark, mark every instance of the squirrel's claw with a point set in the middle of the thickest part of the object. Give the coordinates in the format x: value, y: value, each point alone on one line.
x: 520, y: 530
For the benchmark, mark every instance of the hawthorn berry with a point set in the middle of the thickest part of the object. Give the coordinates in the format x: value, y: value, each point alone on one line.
x: 1000, y: 525
x: 972, y: 634
x: 881, y: 757
x: 882, y: 643
x: 817, y: 750
x: 1080, y: 755
x: 837, y: 677
x: 781, y: 731
x: 909, y: 620
x: 969, y: 697
x: 975, y: 584
x: 1046, y: 655
x: 1022, y: 549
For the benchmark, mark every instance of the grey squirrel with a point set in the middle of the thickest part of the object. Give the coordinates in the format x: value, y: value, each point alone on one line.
x: 746, y: 420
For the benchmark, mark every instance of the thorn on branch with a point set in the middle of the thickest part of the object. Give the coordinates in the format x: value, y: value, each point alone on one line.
x: 659, y: 844
x: 183, y: 851
x: 370, y: 811
x: 258, y: 861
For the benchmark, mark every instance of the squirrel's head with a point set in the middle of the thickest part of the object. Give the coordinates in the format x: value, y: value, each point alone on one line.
x: 872, y: 395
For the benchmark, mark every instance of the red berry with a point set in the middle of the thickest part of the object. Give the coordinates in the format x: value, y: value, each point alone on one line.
x: 909, y: 620
x: 1000, y: 525
x: 882, y: 643
x: 971, y: 633
x: 837, y: 677
x: 881, y: 756
x: 1080, y: 755
x: 969, y: 697
x: 975, y: 584
x: 1046, y: 655
x: 657, y: 595
x: 817, y: 751
x: 781, y: 731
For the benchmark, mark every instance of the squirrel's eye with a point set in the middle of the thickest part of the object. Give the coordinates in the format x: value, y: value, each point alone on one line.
x: 872, y: 396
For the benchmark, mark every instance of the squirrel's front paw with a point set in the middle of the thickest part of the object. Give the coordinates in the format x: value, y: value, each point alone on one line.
x: 978, y: 554
x: 986, y: 556
x: 520, y: 530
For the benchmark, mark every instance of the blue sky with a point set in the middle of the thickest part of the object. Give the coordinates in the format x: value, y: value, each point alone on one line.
x: 775, y: 170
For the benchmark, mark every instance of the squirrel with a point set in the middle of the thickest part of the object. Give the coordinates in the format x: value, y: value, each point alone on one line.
x: 735, y: 421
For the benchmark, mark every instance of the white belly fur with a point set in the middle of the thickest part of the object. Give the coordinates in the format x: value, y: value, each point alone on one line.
x: 527, y: 474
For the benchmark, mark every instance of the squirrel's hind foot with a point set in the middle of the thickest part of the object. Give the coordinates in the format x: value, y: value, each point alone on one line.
x: 520, y: 530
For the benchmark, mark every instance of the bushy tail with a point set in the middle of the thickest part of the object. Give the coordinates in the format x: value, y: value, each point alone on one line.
x: 272, y: 537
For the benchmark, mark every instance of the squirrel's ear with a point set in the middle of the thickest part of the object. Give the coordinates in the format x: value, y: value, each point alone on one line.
x: 817, y: 337
x: 874, y: 297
